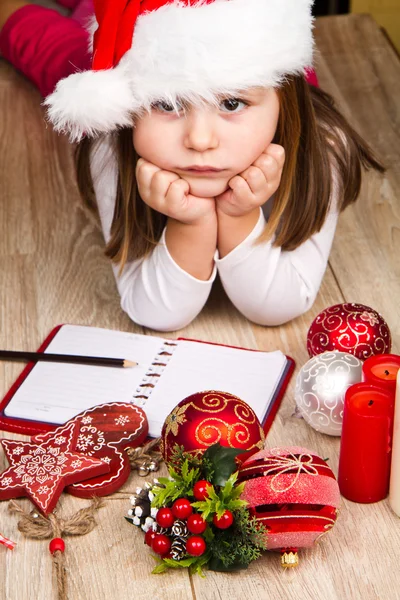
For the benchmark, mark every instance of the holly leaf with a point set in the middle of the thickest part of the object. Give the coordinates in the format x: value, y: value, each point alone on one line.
x: 197, y: 567
x: 185, y: 562
x: 208, y: 506
x: 223, y: 461
x: 237, y: 505
x: 161, y: 568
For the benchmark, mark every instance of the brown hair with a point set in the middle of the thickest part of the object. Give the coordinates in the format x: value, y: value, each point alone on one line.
x: 316, y: 138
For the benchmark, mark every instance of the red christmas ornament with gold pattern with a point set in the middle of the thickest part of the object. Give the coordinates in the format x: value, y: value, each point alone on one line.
x: 294, y: 494
x: 209, y: 417
x: 353, y: 328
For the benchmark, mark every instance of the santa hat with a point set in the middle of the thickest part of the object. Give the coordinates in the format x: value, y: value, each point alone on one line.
x: 179, y: 50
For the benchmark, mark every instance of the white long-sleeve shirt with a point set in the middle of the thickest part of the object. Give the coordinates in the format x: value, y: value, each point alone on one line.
x: 268, y: 285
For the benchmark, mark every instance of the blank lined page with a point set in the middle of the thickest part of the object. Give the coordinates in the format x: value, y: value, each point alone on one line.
x: 194, y: 367
x: 56, y: 392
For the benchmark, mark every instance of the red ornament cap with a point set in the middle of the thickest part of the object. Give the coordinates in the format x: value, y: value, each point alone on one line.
x: 42, y: 470
x: 353, y: 328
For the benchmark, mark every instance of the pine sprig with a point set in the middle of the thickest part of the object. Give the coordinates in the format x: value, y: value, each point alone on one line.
x: 195, y: 461
x: 239, y: 545
x: 179, y: 456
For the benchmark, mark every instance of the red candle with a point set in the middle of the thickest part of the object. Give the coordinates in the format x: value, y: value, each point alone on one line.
x: 381, y: 370
x: 365, y: 448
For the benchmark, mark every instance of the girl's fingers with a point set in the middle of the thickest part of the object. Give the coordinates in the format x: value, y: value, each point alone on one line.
x: 268, y: 165
x: 153, y: 183
x: 256, y: 179
x: 277, y: 152
x: 160, y: 184
x: 176, y: 191
x: 241, y: 188
x: 144, y: 175
x: 238, y: 184
x: 145, y: 169
x: 272, y: 160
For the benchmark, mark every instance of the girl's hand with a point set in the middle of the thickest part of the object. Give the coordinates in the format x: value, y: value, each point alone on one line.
x: 168, y: 194
x: 255, y: 185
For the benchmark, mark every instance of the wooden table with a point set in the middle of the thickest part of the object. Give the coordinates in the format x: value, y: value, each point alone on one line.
x: 52, y: 270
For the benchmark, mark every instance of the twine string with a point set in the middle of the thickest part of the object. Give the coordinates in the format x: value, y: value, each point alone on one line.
x: 139, y: 457
x: 39, y: 527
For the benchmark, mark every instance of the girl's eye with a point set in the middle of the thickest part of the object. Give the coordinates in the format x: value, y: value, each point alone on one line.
x: 232, y: 105
x: 165, y: 107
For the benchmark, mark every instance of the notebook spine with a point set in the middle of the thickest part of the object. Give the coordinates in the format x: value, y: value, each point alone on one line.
x: 155, y: 371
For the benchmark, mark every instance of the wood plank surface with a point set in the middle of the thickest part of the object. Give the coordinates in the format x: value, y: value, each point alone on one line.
x: 52, y: 270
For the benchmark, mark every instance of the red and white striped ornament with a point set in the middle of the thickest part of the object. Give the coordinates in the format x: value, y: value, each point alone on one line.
x: 7, y: 543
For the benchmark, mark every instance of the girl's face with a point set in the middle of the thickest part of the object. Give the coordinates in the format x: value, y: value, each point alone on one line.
x: 209, y: 145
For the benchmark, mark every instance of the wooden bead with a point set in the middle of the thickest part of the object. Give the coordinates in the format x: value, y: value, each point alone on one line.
x: 56, y: 544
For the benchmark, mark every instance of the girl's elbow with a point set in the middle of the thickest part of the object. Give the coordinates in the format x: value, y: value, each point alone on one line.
x: 274, y: 314
x: 158, y: 320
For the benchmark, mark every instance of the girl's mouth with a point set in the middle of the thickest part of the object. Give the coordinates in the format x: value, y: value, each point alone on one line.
x: 206, y: 170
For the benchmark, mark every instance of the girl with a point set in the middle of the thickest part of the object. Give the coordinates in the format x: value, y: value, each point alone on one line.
x: 212, y: 155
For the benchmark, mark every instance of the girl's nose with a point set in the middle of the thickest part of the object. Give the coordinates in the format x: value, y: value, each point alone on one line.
x: 200, y: 131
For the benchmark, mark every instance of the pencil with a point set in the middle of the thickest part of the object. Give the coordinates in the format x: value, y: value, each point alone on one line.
x: 66, y: 358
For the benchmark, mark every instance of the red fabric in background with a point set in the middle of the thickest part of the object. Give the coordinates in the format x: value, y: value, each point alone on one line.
x: 311, y: 77
x: 44, y: 46
x: 47, y: 47
x: 68, y: 3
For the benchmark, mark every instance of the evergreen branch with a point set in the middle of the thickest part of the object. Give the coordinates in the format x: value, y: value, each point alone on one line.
x: 239, y: 545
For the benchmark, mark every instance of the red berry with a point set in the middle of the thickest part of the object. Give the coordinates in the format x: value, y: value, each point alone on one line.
x: 196, y: 524
x: 225, y: 521
x: 149, y: 537
x: 200, y: 489
x: 195, y: 545
x: 165, y: 518
x: 182, y: 508
x: 161, y: 544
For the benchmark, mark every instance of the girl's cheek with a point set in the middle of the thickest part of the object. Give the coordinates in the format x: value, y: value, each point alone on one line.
x: 138, y: 140
x: 153, y: 145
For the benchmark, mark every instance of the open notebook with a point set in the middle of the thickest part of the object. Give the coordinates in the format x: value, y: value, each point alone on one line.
x: 169, y: 370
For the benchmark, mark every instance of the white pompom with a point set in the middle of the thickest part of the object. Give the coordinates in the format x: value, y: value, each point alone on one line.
x: 91, y: 102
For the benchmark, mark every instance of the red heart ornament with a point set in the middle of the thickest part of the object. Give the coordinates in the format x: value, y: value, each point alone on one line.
x: 105, y: 431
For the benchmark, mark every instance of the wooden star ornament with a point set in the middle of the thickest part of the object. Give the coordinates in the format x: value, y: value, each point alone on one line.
x: 41, y: 471
x: 105, y: 432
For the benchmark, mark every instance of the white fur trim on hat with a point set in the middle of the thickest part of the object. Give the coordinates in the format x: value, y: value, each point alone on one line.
x: 193, y: 53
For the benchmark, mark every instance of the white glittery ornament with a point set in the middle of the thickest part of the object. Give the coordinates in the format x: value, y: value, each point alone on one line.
x: 320, y: 389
